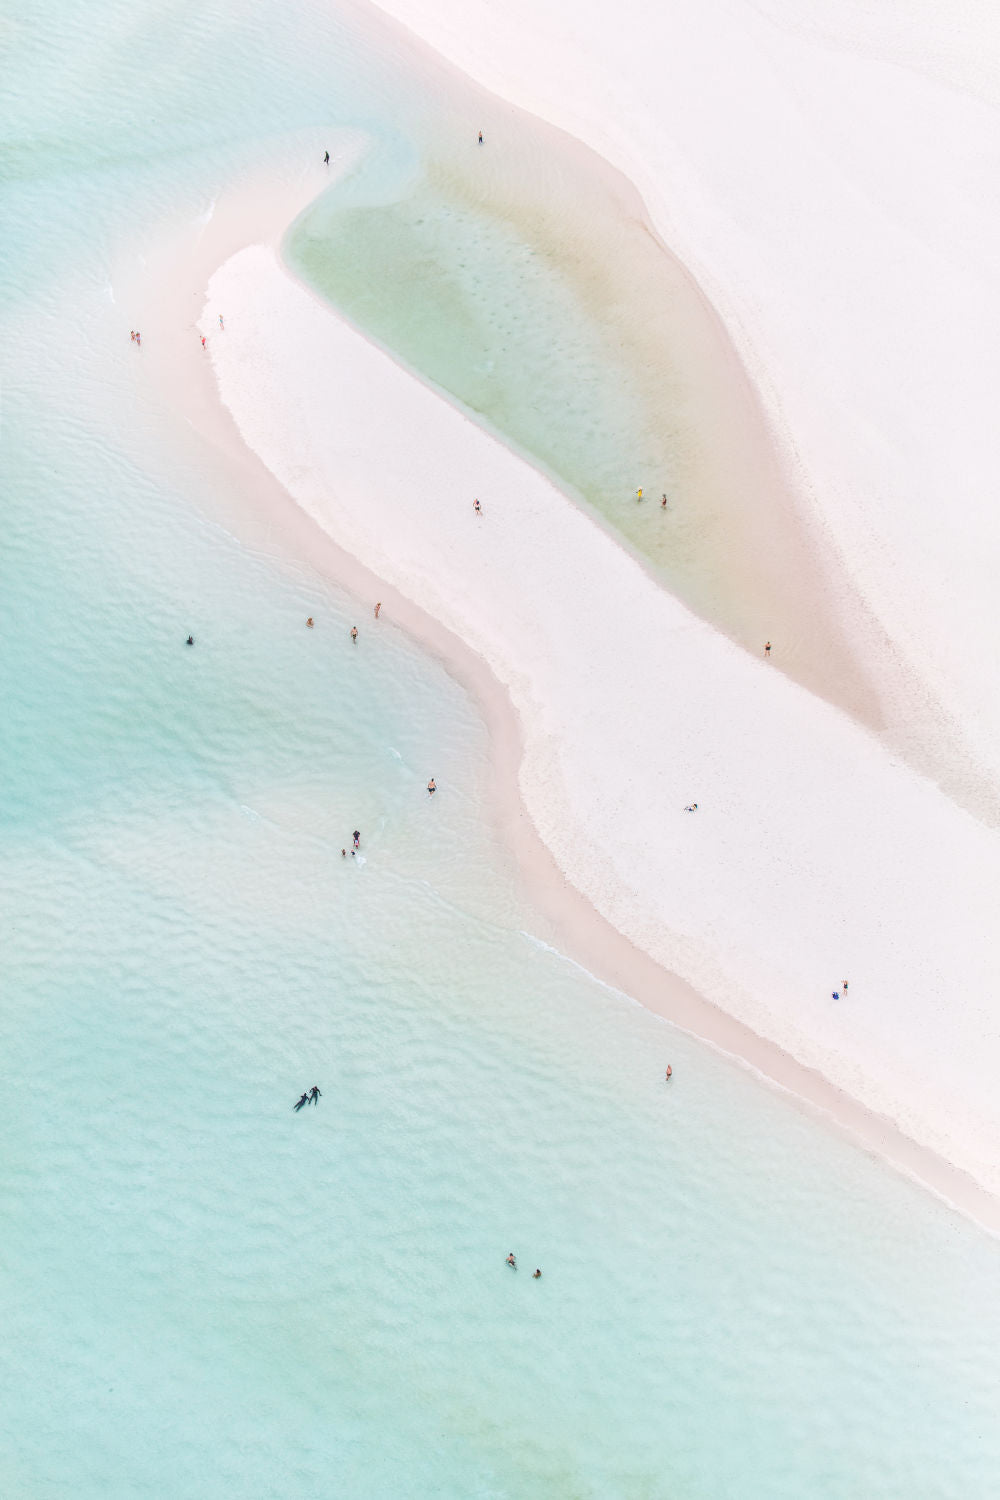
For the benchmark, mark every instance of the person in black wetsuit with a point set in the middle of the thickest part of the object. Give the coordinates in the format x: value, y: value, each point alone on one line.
x: 314, y: 1094
x: 189, y: 641
x: 303, y: 1100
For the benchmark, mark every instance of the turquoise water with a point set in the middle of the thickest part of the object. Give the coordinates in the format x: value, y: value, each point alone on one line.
x: 202, y: 1292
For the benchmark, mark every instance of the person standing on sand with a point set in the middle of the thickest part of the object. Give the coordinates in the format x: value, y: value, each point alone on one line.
x: 357, y: 839
x: 309, y: 622
x: 203, y: 341
x: 511, y: 1261
x: 663, y: 502
x: 377, y: 608
x: 221, y: 324
x: 354, y: 634
x: 480, y: 137
x: 326, y: 158
x: 670, y: 1073
x: 767, y: 648
x: 844, y: 986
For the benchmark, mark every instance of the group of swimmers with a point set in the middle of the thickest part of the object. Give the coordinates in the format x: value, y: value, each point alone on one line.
x: 512, y: 1262
x: 311, y: 1096
x: 663, y: 498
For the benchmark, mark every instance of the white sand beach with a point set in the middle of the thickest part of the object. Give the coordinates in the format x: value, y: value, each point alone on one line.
x: 816, y: 853
x: 827, y: 175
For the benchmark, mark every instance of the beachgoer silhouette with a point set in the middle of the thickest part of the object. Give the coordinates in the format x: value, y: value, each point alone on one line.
x: 326, y: 159
x: 638, y: 494
x: 511, y: 1261
x: 343, y: 853
x: 309, y: 622
x: 663, y: 502
x: 480, y: 137
x: 477, y: 507
x: 844, y: 986
x: 670, y: 1072
x: 354, y: 634
x: 221, y: 324
x: 357, y: 839
x: 133, y: 335
x: 432, y: 786
x: 767, y: 648
x: 314, y: 1094
x: 378, y: 608
x: 203, y: 341
x: 536, y: 1273
x: 303, y: 1100
x: 189, y: 641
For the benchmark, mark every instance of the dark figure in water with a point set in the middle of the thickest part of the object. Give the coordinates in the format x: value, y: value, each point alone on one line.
x: 357, y: 839
x: 511, y: 1261
x: 314, y: 1094
x: 326, y: 159
x: 536, y: 1274
x: 189, y: 641
x: 303, y: 1100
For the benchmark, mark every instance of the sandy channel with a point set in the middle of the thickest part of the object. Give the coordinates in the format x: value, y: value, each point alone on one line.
x: 803, y: 859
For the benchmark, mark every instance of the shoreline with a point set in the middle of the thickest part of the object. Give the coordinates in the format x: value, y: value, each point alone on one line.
x: 274, y: 518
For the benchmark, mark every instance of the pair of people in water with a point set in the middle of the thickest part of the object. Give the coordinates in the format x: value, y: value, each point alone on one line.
x: 311, y: 1096
x: 512, y: 1262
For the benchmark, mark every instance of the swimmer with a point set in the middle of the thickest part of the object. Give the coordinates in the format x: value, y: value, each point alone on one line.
x: 309, y: 622
x: 511, y: 1261
x: 326, y: 158
x: 189, y: 641
x: 432, y: 786
x: 663, y: 502
x: 303, y: 1100
x: 343, y: 853
x: 536, y: 1274
x: 477, y: 507
x: 378, y: 608
x: 767, y: 648
x: 314, y: 1094
x: 354, y: 634
x: 670, y: 1073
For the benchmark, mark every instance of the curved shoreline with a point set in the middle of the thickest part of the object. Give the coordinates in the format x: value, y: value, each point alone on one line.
x: 274, y: 517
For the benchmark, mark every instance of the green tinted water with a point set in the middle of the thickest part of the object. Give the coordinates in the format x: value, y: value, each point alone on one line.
x: 203, y: 1293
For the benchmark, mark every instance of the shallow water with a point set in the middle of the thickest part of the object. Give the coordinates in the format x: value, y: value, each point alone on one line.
x: 523, y: 280
x: 203, y: 1292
